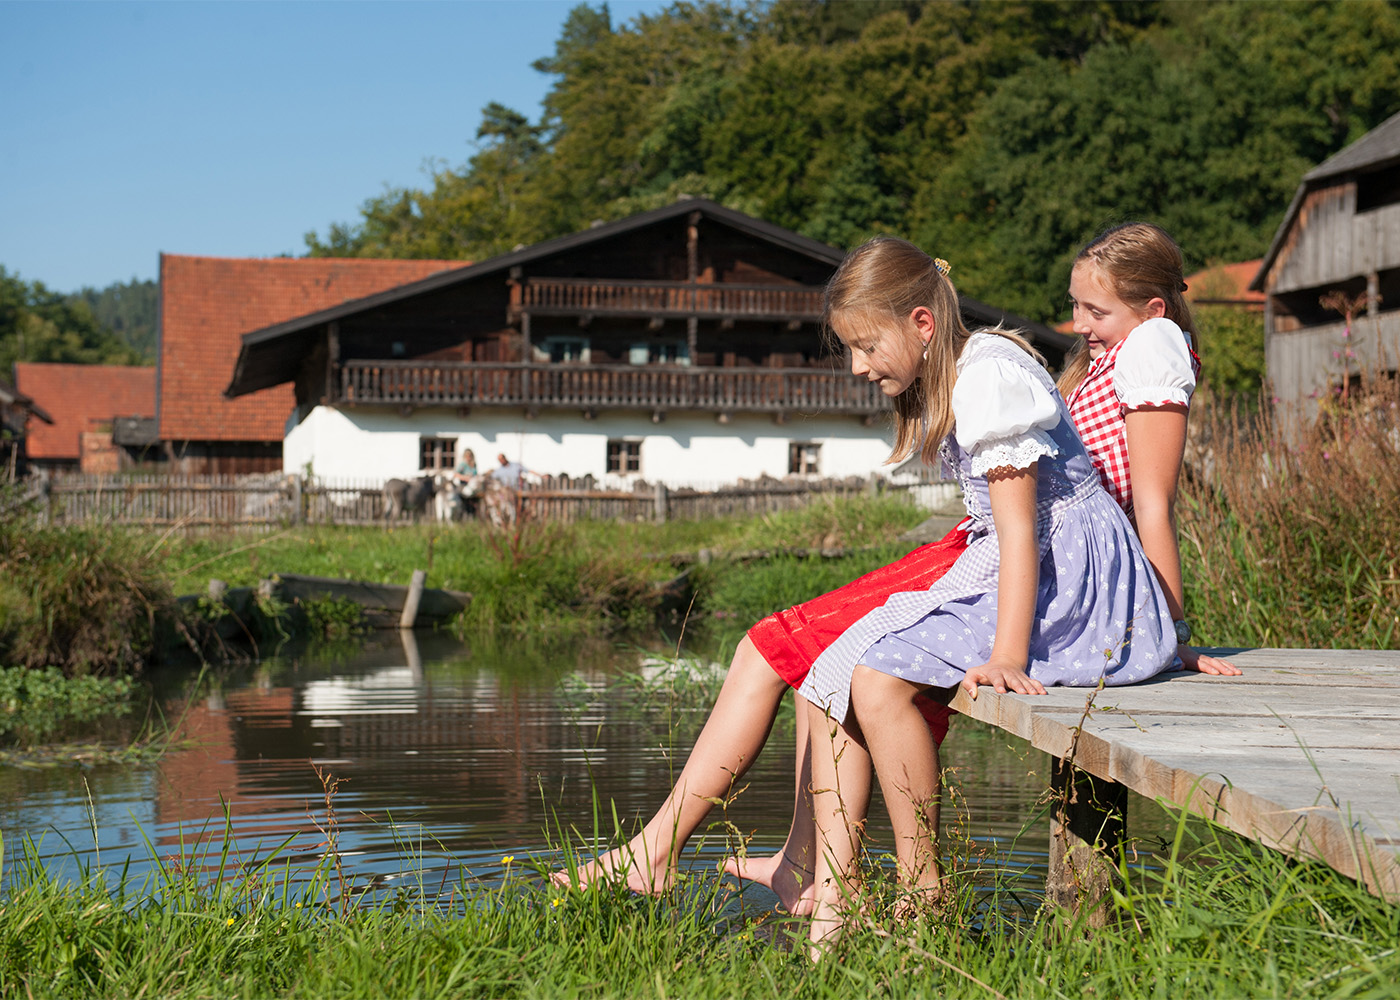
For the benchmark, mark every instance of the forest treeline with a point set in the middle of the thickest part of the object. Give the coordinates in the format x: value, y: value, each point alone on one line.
x: 115, y: 325
x: 1000, y: 135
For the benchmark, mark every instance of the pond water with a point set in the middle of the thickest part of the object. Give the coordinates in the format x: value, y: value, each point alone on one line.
x: 445, y: 758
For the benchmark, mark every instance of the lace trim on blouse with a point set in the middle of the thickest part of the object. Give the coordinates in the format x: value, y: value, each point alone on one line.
x: 1020, y: 452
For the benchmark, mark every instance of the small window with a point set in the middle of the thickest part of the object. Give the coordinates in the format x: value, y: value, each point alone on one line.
x: 563, y: 350
x: 659, y: 352
x: 436, y: 454
x: 624, y: 456
x: 804, y: 458
x: 1378, y: 189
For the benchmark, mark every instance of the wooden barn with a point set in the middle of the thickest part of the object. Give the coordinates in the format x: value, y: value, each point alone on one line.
x: 681, y: 345
x: 1332, y: 275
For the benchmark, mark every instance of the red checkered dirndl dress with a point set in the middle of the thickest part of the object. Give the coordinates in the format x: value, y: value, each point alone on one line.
x: 1098, y: 415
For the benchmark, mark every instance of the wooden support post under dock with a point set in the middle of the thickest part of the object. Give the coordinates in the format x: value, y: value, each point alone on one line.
x: 1087, y: 819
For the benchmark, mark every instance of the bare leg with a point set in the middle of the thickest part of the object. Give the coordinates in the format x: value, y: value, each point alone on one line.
x: 735, y: 732
x: 789, y: 873
x: 840, y: 802
x: 906, y: 759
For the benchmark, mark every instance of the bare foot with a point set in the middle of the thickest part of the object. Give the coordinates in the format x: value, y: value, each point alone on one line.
x: 780, y: 873
x: 914, y: 901
x: 827, y: 926
x: 643, y: 876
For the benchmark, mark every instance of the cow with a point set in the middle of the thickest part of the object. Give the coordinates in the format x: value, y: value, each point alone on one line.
x: 410, y: 498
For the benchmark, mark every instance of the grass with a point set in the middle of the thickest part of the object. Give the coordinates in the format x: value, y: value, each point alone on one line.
x: 87, y: 599
x: 588, y: 577
x: 1293, y: 538
x: 1213, y: 916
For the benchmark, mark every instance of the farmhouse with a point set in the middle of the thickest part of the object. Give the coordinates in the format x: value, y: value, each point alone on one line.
x: 82, y: 406
x: 206, y: 305
x: 681, y: 345
x: 1332, y: 274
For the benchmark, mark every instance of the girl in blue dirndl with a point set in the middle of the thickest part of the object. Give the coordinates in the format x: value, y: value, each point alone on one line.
x: 1053, y: 588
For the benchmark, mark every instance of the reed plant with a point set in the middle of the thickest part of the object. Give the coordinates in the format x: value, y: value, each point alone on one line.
x: 1291, y: 530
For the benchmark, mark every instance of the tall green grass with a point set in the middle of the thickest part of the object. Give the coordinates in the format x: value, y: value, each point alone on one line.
x: 87, y: 600
x: 1291, y: 534
x: 1214, y: 916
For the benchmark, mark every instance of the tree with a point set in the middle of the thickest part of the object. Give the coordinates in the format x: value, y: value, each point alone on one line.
x: 128, y: 311
x: 39, y: 325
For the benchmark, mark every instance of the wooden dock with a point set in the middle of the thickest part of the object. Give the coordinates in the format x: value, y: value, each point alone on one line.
x: 1302, y: 753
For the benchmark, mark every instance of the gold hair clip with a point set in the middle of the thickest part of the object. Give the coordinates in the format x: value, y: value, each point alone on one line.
x: 943, y: 266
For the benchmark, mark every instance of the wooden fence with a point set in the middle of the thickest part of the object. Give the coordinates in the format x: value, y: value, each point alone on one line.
x: 273, y: 500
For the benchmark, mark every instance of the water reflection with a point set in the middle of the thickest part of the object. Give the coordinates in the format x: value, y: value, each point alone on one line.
x: 444, y: 758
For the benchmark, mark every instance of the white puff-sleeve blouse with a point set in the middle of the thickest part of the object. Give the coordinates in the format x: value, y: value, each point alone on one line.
x: 1002, y: 414
x: 1154, y: 366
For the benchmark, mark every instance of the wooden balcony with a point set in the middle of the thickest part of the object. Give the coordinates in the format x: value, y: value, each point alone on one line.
x: 592, y: 387
x: 583, y: 296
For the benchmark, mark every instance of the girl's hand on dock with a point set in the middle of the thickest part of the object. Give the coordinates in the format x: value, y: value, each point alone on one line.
x: 1193, y: 660
x: 1002, y: 679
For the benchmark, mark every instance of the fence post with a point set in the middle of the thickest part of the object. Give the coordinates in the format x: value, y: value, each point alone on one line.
x: 661, y: 503
x: 872, y: 485
x: 298, y: 513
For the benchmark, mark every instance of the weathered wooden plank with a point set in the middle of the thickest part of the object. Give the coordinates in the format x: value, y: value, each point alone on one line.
x: 1302, y: 753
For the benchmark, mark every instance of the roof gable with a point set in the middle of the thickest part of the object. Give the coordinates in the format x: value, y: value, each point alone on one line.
x: 208, y: 303
x: 268, y: 354
x: 81, y: 398
x: 1225, y: 284
x: 1375, y: 149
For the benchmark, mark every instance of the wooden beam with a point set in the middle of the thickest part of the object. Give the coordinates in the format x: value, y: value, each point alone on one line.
x: 332, y: 359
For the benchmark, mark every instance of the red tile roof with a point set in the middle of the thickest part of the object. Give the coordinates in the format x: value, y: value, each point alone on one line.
x: 81, y: 398
x: 208, y: 303
x: 1227, y: 284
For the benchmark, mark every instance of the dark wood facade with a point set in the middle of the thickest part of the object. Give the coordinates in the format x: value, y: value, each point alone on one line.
x: 690, y: 307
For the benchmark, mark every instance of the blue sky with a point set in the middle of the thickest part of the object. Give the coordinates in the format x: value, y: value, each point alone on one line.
x: 233, y: 128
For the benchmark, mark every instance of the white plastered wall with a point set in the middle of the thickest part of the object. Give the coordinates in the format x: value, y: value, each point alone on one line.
x: 684, y: 449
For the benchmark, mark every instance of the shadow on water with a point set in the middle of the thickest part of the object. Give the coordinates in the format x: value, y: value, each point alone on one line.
x: 447, y: 759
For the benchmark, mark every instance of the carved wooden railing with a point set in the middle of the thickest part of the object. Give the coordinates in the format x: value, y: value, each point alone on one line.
x: 572, y: 296
x: 721, y: 390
